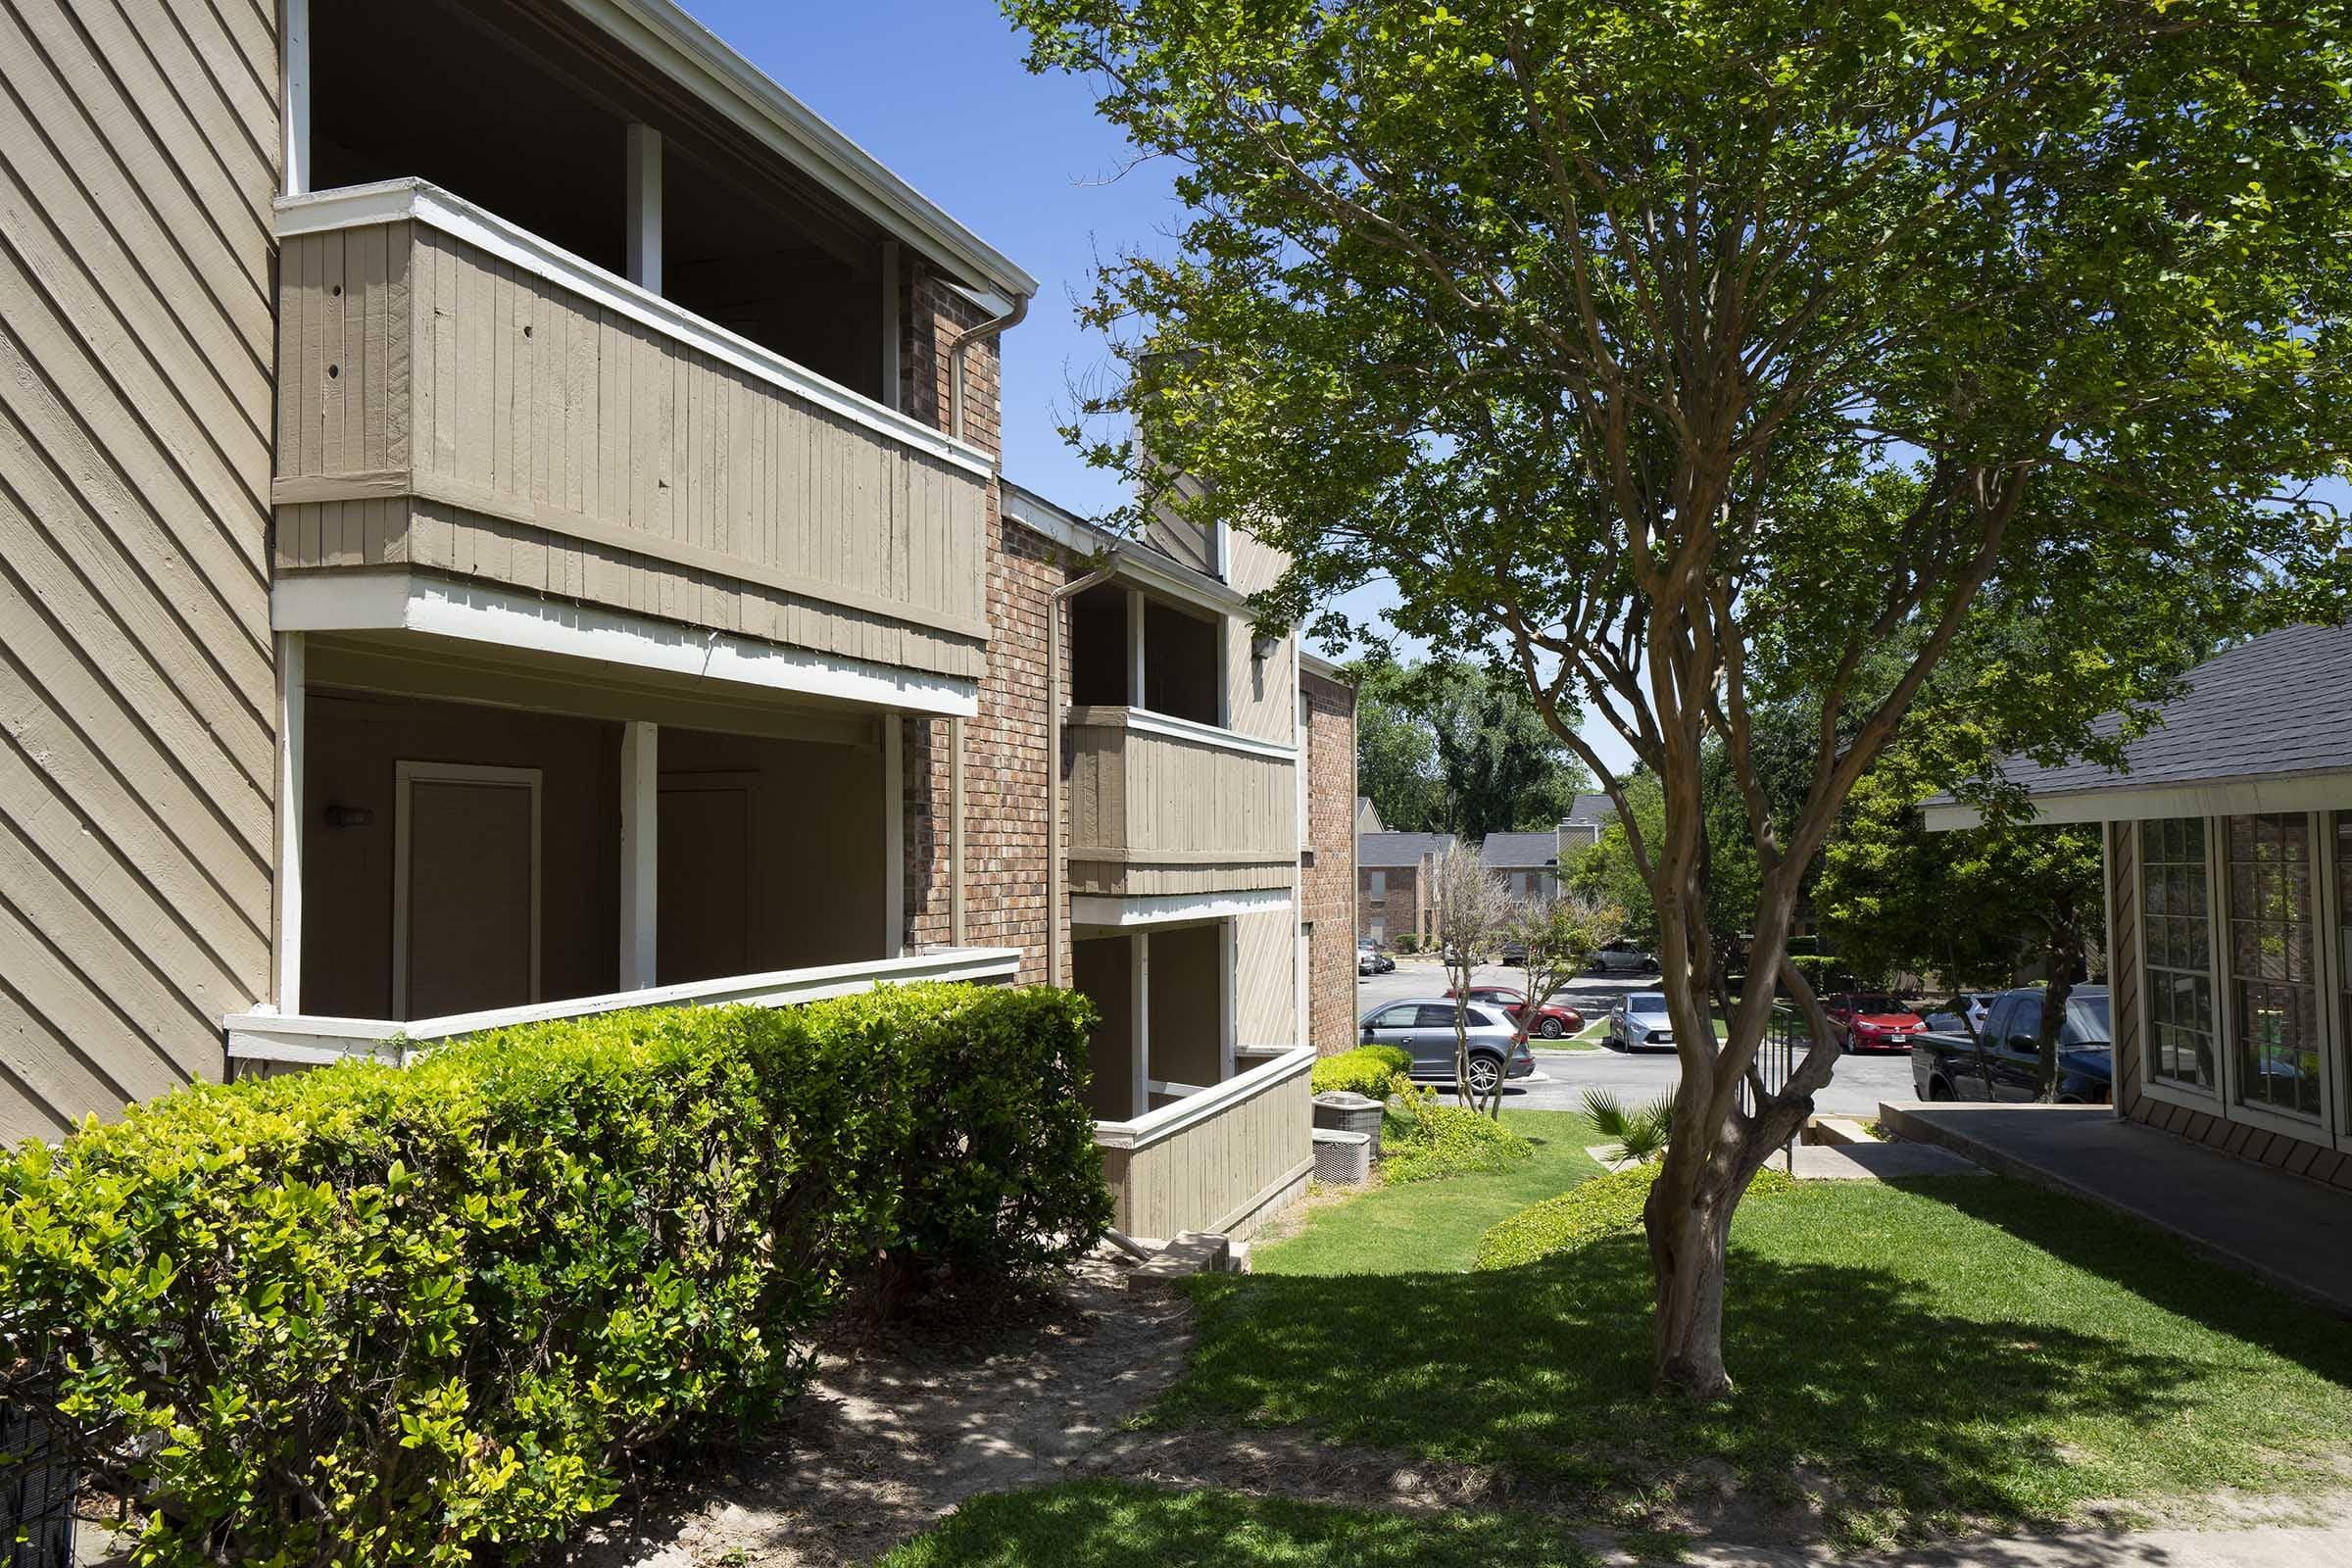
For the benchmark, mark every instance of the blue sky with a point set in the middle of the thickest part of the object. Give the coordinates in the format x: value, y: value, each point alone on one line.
x: 935, y: 89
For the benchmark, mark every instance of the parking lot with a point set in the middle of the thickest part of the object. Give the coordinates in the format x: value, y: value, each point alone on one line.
x: 1561, y: 1077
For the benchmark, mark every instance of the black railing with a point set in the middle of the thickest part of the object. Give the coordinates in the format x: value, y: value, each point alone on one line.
x: 36, y: 1489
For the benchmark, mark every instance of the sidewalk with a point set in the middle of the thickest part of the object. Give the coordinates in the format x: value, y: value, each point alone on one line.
x: 2295, y: 1234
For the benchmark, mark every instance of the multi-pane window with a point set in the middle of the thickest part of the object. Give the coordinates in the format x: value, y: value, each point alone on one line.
x: 2274, y: 992
x: 2177, y: 927
x: 2343, y: 949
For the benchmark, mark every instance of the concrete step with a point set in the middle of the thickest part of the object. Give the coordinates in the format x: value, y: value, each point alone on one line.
x: 1836, y: 1129
x: 1190, y: 1253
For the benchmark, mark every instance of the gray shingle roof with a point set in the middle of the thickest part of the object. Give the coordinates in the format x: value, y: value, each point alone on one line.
x: 1591, y: 808
x: 1520, y: 851
x: 2279, y: 705
x: 1377, y: 850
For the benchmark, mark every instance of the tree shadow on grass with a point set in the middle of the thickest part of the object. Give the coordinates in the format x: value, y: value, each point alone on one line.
x: 1854, y: 1371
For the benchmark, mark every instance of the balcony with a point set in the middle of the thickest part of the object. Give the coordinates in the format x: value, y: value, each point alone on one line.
x: 1163, y: 807
x: 461, y: 396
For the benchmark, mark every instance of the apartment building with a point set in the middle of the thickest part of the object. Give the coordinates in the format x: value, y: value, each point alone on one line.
x: 502, y: 519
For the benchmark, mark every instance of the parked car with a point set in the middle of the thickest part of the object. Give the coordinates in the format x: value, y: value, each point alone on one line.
x: 1872, y: 1020
x: 1554, y: 1019
x: 1637, y: 1019
x: 1624, y: 958
x: 1424, y: 1026
x: 1370, y: 959
x: 1945, y: 1064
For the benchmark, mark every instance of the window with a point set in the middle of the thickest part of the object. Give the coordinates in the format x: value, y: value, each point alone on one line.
x: 2177, y: 927
x: 2343, y: 950
x: 1376, y: 889
x: 1401, y: 1017
x: 2273, y: 996
x: 1443, y: 1017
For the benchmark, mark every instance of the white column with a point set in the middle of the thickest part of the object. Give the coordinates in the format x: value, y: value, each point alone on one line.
x: 956, y: 809
x: 894, y: 837
x: 891, y: 347
x: 640, y: 852
x: 292, y: 679
x: 1229, y: 994
x: 1135, y: 648
x: 1139, y: 1035
x: 644, y: 175
x: 294, y: 70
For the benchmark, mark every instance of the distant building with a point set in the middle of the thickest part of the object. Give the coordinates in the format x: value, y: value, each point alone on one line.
x: 1393, y: 884
x: 1528, y: 863
x: 1367, y: 816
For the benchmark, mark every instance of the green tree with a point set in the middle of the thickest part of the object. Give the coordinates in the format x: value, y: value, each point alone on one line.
x: 1694, y: 354
x: 1450, y: 747
x: 1395, y: 755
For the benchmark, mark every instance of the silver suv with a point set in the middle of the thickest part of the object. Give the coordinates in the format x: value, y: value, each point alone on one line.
x: 1424, y: 1026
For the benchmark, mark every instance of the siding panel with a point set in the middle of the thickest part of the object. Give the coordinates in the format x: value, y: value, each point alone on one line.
x: 136, y: 691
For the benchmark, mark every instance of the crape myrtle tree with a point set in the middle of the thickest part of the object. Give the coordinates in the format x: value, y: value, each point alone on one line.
x: 1684, y: 352
x: 1470, y: 907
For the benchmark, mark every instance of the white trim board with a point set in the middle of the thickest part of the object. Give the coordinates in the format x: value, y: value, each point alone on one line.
x: 346, y: 599
x: 264, y: 1036
x: 394, y: 201
x: 1142, y: 1132
x: 2125, y: 802
x: 1144, y: 721
x: 1165, y: 909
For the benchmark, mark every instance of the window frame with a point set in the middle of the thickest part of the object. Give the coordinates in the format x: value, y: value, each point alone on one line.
x: 2171, y: 1091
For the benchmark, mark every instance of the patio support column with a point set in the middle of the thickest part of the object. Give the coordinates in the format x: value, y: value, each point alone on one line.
x: 294, y: 68
x: 893, y: 836
x: 955, y: 832
x: 640, y: 851
x: 1135, y: 648
x: 1139, y: 1034
x: 644, y: 204
x: 292, y: 686
x: 1228, y: 962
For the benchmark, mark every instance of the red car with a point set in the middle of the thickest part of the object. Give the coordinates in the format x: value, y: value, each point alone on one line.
x: 1872, y: 1020
x: 1553, y: 1021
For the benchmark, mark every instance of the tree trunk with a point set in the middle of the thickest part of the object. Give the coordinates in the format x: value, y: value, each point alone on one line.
x: 2054, y: 997
x: 1687, y: 1242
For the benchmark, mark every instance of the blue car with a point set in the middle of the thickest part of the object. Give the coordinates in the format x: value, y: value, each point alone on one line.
x: 1946, y: 1064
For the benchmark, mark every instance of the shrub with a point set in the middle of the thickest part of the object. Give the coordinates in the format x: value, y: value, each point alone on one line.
x: 1423, y: 1137
x: 367, y: 1315
x: 1406, y: 942
x: 1365, y: 1071
x: 1604, y: 1206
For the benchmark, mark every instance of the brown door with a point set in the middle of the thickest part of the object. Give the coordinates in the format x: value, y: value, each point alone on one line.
x: 703, y: 888
x: 467, y: 890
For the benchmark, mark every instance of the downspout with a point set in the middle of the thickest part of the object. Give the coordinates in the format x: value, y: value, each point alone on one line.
x: 993, y: 326
x: 1059, y: 871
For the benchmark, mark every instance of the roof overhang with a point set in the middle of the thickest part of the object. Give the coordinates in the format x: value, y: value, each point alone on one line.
x: 664, y: 37
x: 1129, y: 561
x: 2128, y: 802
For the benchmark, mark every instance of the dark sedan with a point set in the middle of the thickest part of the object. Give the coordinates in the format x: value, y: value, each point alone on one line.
x: 1949, y: 1065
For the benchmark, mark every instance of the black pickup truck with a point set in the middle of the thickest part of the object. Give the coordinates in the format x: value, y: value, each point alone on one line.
x: 1947, y: 1065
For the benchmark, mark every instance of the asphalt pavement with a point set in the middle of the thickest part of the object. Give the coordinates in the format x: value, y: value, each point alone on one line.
x: 1561, y: 1077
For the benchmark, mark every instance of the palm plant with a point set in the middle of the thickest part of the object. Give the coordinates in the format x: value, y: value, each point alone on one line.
x: 1640, y: 1134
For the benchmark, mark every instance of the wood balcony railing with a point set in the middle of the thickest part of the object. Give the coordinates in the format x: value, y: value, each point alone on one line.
x: 455, y: 394
x: 1163, y: 805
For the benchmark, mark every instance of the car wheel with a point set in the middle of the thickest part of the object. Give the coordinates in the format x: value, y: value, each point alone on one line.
x: 1485, y: 1073
x: 1939, y: 1089
x: 1550, y: 1029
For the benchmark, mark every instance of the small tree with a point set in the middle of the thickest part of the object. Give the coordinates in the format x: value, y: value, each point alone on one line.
x: 1471, y: 909
x: 1560, y: 935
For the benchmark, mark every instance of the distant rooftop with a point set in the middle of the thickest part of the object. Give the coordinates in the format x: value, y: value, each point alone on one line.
x: 1376, y: 851
x: 1591, y: 808
x: 1521, y: 850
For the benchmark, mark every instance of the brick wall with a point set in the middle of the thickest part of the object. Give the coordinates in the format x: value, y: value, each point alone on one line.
x: 1008, y: 869
x: 1403, y: 906
x: 1327, y: 892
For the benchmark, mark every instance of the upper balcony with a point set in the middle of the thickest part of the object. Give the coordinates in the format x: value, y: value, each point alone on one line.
x: 1170, y: 806
x: 586, y: 320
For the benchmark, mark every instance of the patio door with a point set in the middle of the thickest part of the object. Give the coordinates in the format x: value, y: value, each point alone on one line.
x: 464, y: 889
x: 706, y: 884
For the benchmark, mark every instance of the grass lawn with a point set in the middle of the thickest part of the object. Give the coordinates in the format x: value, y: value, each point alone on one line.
x: 1955, y: 1351
x: 1432, y: 1227
x: 1099, y: 1524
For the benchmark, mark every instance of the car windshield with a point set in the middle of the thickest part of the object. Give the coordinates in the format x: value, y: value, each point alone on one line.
x: 1645, y: 1002
x: 2086, y: 1021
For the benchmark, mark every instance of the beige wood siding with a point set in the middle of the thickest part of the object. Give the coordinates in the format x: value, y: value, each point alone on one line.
x: 137, y: 714
x: 1266, y: 980
x: 1153, y: 812
x: 1223, y: 1173
x: 445, y: 408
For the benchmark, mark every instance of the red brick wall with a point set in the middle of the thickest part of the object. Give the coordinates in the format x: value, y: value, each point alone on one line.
x: 1403, y: 908
x: 1327, y: 891
x: 1008, y: 869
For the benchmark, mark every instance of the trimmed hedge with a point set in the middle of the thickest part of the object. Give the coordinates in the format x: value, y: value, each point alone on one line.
x: 367, y: 1315
x: 1604, y: 1206
x: 1365, y: 1071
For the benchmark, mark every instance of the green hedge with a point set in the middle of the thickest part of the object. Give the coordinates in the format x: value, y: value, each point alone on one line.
x: 1365, y: 1071
x: 1604, y: 1206
x: 1424, y: 1138
x: 373, y: 1316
